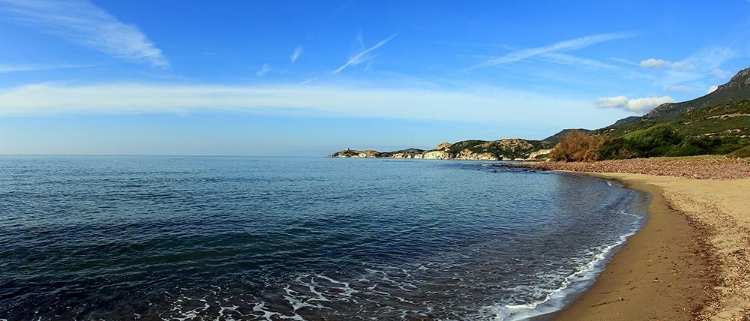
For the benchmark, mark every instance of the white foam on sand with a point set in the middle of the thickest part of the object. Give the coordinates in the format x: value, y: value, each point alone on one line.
x: 573, y: 285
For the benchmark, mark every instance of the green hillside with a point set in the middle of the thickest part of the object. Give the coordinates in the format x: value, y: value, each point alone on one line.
x: 723, y: 120
x: 513, y: 148
x: 716, y: 123
x: 719, y: 129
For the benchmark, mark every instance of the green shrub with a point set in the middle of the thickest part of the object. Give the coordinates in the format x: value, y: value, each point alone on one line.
x: 692, y: 146
x: 650, y: 142
x: 617, y: 148
x: 728, y: 145
x: 654, y: 141
x: 743, y: 152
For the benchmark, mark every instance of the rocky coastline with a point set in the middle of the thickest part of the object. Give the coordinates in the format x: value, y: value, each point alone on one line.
x: 497, y: 150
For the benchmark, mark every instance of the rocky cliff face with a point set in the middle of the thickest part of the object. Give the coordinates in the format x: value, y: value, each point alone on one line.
x: 437, y: 154
x: 539, y: 153
x: 469, y: 155
x: 740, y: 81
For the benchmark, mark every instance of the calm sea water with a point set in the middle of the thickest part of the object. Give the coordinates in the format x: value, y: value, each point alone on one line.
x: 198, y: 238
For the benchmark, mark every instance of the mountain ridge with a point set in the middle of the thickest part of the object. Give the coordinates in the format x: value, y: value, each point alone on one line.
x: 736, y: 89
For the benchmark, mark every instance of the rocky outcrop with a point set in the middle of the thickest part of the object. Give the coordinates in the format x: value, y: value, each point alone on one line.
x: 444, y: 146
x: 437, y: 154
x: 507, y: 144
x: 740, y: 81
x: 469, y: 155
x: 539, y: 153
x: 347, y: 153
x: 503, y: 149
x: 410, y: 153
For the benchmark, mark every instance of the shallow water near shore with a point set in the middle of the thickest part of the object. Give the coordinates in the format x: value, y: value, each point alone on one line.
x: 194, y: 238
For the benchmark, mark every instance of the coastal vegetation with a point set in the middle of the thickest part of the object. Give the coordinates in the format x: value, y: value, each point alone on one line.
x: 717, y: 123
x: 577, y: 146
x: 715, y: 130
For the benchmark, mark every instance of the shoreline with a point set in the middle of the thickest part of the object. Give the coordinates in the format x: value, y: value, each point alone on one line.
x: 663, y: 272
x: 697, y: 237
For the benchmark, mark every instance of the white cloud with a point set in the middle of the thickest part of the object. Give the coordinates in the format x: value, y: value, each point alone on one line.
x: 658, y: 63
x: 712, y: 89
x: 263, y: 70
x: 297, y: 52
x: 648, y: 103
x: 638, y: 105
x: 363, y: 55
x: 567, y: 45
x: 85, y: 24
x: 677, y: 88
x: 611, y: 102
x: 484, y: 105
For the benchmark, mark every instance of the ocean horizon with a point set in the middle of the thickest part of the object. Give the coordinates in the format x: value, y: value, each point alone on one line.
x: 301, y: 238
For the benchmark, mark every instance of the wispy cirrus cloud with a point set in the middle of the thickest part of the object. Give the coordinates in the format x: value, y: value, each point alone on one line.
x: 677, y: 88
x: 83, y: 23
x: 308, y: 81
x: 721, y: 74
x: 566, y: 59
x: 483, y: 105
x: 711, y: 58
x: 703, y: 64
x: 562, y: 46
x: 263, y: 70
x: 297, y: 52
x: 363, y: 55
x: 35, y: 67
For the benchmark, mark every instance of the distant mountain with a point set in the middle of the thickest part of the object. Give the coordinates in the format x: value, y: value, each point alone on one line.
x: 716, y: 123
x: 736, y: 89
x: 554, y: 139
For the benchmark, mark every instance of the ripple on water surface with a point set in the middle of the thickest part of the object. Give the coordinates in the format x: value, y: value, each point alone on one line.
x: 298, y: 238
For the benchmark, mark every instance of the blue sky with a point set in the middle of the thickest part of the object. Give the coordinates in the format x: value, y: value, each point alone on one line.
x: 312, y: 77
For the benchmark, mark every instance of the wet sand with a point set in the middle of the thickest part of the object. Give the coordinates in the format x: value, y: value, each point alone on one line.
x: 691, y: 261
x: 662, y: 273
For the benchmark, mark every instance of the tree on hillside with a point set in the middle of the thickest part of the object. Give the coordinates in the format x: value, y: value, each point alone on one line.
x: 577, y: 147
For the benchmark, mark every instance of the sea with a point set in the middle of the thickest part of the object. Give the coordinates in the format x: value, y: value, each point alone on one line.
x: 296, y: 238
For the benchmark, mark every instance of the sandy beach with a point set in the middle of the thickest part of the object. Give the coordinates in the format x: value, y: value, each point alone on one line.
x: 691, y: 261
